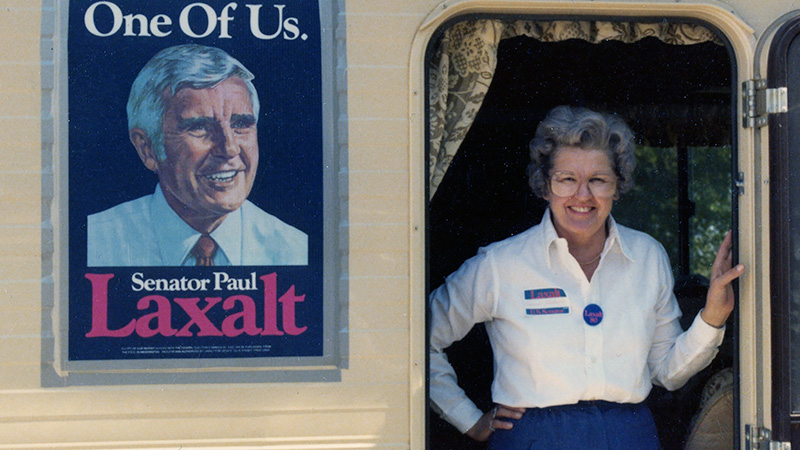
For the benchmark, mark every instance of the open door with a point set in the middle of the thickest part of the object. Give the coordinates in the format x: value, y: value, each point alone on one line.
x: 679, y: 100
x: 781, y: 97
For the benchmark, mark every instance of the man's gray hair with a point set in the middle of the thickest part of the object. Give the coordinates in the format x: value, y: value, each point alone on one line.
x: 585, y: 129
x: 175, y: 68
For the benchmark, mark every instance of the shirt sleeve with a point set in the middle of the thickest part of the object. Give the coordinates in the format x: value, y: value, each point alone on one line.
x: 467, y: 297
x: 675, y: 355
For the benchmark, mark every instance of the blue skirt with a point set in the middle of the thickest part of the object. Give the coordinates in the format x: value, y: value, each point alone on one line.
x: 596, y: 425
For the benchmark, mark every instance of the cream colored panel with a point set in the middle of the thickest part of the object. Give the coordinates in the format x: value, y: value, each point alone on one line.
x: 373, y: 157
x: 20, y: 240
x: 384, y: 313
x: 20, y: 295
x: 366, y: 135
x: 15, y: 184
x: 385, y: 91
x: 378, y: 202
x: 20, y: 348
x: 14, y: 209
x: 379, y: 264
x: 380, y: 209
x: 385, y: 184
x: 18, y: 75
x: 21, y: 5
x: 380, y: 343
x: 19, y: 323
x: 389, y: 371
x: 24, y: 130
x: 380, y: 303
x: 27, y: 154
x: 20, y: 19
x: 380, y: 40
x: 391, y: 7
x: 378, y: 237
x: 18, y: 377
x: 16, y: 268
x: 15, y: 102
x: 194, y: 416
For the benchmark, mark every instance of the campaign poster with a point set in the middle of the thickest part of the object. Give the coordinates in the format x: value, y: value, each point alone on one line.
x: 188, y: 122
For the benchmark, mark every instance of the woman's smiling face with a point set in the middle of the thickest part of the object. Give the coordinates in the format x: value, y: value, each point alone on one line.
x: 581, y: 217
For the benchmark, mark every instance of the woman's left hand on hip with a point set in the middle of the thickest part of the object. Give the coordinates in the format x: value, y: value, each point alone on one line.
x: 492, y: 420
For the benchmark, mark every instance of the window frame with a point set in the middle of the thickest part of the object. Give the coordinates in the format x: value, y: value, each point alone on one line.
x: 732, y: 44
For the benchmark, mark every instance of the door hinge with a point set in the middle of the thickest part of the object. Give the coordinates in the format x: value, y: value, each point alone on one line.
x: 758, y: 102
x: 760, y: 438
x: 738, y: 183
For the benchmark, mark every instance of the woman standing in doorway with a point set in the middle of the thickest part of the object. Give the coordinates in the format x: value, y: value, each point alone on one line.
x: 579, y: 310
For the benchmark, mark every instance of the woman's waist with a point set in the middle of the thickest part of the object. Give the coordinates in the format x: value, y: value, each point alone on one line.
x: 539, y: 395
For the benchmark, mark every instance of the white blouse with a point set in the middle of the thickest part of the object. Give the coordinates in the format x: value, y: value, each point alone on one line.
x: 558, y: 338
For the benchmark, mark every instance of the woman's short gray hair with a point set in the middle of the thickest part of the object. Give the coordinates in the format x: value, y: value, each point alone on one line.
x: 586, y: 129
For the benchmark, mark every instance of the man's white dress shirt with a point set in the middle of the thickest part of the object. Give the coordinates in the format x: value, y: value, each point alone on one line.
x: 532, y: 293
x: 147, y: 232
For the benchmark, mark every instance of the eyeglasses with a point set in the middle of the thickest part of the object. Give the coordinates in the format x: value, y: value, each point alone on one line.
x: 565, y: 184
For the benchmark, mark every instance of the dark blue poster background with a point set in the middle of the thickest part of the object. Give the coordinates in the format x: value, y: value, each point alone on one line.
x: 105, y: 170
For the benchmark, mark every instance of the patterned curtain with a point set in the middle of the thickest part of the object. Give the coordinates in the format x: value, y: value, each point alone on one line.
x: 465, y: 60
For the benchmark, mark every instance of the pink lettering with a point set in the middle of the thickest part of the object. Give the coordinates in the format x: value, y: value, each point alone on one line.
x: 271, y: 305
x: 546, y: 293
x: 162, y: 316
x: 288, y: 301
x: 198, y: 316
x: 239, y: 321
x: 100, y: 309
x: 247, y: 316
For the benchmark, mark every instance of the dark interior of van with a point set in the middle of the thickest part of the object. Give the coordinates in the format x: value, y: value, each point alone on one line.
x: 678, y: 101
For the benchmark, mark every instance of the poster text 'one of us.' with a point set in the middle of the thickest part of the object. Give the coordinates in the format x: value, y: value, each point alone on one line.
x: 196, y: 20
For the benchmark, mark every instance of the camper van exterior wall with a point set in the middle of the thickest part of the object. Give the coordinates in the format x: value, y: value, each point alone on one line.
x: 366, y: 385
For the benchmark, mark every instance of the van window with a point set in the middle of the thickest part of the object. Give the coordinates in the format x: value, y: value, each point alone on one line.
x: 676, y: 98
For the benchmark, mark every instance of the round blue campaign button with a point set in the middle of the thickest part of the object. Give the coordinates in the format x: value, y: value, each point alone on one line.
x: 593, y: 314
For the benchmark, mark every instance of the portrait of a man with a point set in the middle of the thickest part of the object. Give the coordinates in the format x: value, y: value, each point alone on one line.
x: 192, y: 117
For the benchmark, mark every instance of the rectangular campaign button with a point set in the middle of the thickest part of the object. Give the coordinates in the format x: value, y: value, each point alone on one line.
x: 547, y: 311
x: 538, y: 294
